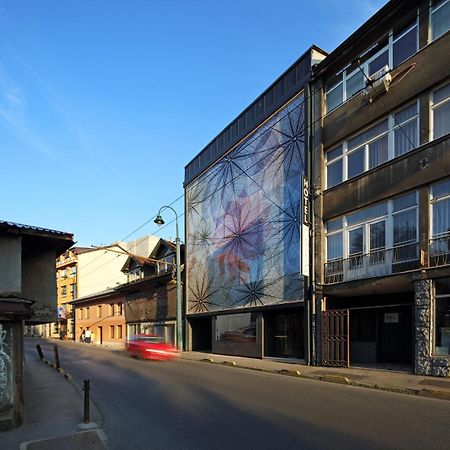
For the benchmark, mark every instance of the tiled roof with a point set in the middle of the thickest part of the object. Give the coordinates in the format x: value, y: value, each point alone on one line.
x: 6, y: 225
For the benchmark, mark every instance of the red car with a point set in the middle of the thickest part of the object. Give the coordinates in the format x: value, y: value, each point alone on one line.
x: 148, y: 346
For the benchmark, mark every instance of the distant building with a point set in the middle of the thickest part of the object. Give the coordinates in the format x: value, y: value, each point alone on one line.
x: 27, y: 294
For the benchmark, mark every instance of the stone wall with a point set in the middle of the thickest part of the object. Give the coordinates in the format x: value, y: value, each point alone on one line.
x: 425, y: 362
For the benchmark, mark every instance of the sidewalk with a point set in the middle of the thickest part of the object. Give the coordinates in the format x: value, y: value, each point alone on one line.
x: 53, y: 411
x: 401, y: 382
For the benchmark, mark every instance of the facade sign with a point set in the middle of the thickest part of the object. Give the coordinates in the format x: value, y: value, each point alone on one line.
x: 305, y: 193
x: 244, y: 220
x: 391, y: 317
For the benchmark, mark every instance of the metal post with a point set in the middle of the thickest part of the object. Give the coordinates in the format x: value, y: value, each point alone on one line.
x: 179, y: 292
x: 56, y: 356
x: 39, y: 350
x: 86, y: 401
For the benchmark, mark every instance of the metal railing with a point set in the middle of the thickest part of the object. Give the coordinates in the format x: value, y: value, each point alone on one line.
x: 439, y: 250
x: 374, y: 264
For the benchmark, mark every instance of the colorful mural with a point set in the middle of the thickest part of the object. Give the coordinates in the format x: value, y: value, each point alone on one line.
x: 243, y: 224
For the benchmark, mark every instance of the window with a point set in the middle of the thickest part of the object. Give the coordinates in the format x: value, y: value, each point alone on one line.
x: 236, y: 328
x: 111, y: 309
x: 111, y: 332
x: 441, y: 111
x: 72, y: 291
x: 86, y: 312
x: 391, y: 224
x: 80, y: 313
x: 391, y: 50
x: 119, y: 310
x: 440, y: 18
x: 440, y: 208
x: 99, y: 311
x: 73, y: 271
x: 119, y: 331
x: 64, y: 291
x: 394, y: 136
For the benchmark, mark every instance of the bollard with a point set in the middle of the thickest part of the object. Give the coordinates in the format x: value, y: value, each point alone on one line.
x: 56, y: 357
x: 39, y: 350
x: 86, y: 401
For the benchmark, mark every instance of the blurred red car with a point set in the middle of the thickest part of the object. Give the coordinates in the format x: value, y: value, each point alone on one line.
x: 148, y: 346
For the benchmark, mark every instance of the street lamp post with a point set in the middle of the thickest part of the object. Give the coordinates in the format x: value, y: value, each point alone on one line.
x: 159, y: 220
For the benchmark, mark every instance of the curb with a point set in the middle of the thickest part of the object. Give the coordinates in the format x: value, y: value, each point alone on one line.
x: 428, y: 393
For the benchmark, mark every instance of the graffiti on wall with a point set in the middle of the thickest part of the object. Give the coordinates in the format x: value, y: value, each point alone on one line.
x: 244, y: 220
x: 5, y: 366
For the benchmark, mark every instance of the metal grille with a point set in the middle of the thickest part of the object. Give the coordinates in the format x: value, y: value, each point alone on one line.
x: 335, y: 338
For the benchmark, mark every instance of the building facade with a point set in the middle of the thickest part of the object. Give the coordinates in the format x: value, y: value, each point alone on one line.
x: 244, y: 206
x: 27, y: 295
x: 381, y: 189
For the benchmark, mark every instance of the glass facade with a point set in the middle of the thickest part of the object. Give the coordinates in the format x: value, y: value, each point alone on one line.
x: 244, y: 220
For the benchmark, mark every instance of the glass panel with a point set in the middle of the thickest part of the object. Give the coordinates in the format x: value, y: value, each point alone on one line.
x: 440, y: 20
x: 441, y: 189
x: 441, y: 217
x: 442, y: 338
x: 377, y: 235
x: 334, y: 225
x: 335, y: 97
x: 236, y: 328
x: 334, y: 246
x: 379, y: 62
x: 367, y: 135
x: 356, y: 241
x: 405, y: 46
x: 405, y: 201
x: 405, y: 114
x: 441, y: 120
x: 334, y: 173
x: 441, y: 94
x: 366, y: 214
x: 356, y: 163
x: 378, y: 152
x: 405, y: 227
x: 355, y: 83
x: 405, y: 138
x: 333, y: 154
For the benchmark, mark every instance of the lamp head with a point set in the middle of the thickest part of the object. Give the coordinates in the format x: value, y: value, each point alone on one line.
x: 159, y: 220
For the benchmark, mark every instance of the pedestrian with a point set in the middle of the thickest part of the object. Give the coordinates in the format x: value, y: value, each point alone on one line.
x: 87, y: 336
x: 83, y: 336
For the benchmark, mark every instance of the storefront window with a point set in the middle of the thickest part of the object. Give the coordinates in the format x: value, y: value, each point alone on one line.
x: 442, y: 317
x: 236, y: 328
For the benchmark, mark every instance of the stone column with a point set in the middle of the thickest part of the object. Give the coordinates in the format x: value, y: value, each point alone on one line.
x: 423, y: 329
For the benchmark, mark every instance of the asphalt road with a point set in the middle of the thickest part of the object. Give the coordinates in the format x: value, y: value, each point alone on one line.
x: 193, y: 405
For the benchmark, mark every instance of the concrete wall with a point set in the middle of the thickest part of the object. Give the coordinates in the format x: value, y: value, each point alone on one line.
x: 10, y: 265
x: 39, y: 284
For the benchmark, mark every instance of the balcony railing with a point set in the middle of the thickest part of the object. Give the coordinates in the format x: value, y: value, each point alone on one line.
x: 374, y: 264
x: 440, y: 251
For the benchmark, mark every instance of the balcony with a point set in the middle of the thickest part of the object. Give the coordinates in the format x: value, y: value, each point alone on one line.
x: 375, y: 264
x: 440, y: 251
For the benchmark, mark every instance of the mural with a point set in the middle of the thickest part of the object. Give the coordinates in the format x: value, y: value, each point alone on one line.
x: 243, y: 224
x: 5, y: 368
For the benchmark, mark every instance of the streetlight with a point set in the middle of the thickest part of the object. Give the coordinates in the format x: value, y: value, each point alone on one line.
x: 159, y: 221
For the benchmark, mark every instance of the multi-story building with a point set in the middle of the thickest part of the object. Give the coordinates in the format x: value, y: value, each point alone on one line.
x: 244, y: 207
x: 381, y: 124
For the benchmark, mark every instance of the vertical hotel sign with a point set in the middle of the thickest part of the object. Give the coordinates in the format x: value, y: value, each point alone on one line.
x: 305, y: 227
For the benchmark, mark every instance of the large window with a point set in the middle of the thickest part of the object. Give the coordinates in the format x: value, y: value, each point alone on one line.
x: 236, y: 328
x: 440, y: 224
x: 440, y: 18
x: 371, y: 231
x: 395, y: 135
x: 442, y: 317
x: 390, y: 51
x: 441, y: 111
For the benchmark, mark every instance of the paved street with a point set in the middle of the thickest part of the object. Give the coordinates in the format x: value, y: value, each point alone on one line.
x: 188, y: 404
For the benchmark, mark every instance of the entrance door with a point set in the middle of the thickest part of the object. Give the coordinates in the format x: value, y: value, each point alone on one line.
x: 335, y: 338
x: 100, y: 335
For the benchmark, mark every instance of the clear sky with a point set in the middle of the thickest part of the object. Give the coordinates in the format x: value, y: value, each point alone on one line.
x: 103, y: 102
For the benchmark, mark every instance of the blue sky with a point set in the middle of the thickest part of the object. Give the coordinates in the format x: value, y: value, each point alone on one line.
x: 103, y: 103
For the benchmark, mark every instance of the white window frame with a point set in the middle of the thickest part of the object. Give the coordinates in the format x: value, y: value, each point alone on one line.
x: 392, y: 127
x: 389, y: 229
x: 365, y: 65
x: 433, y: 9
x: 432, y: 201
x: 434, y: 106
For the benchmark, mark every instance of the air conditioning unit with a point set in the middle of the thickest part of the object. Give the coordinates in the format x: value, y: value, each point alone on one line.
x: 378, y: 83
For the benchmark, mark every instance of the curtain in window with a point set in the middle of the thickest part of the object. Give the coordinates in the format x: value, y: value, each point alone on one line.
x: 334, y: 246
x: 441, y: 119
x: 378, y: 152
x: 405, y: 227
x: 405, y: 138
x: 441, y: 217
x: 377, y: 235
